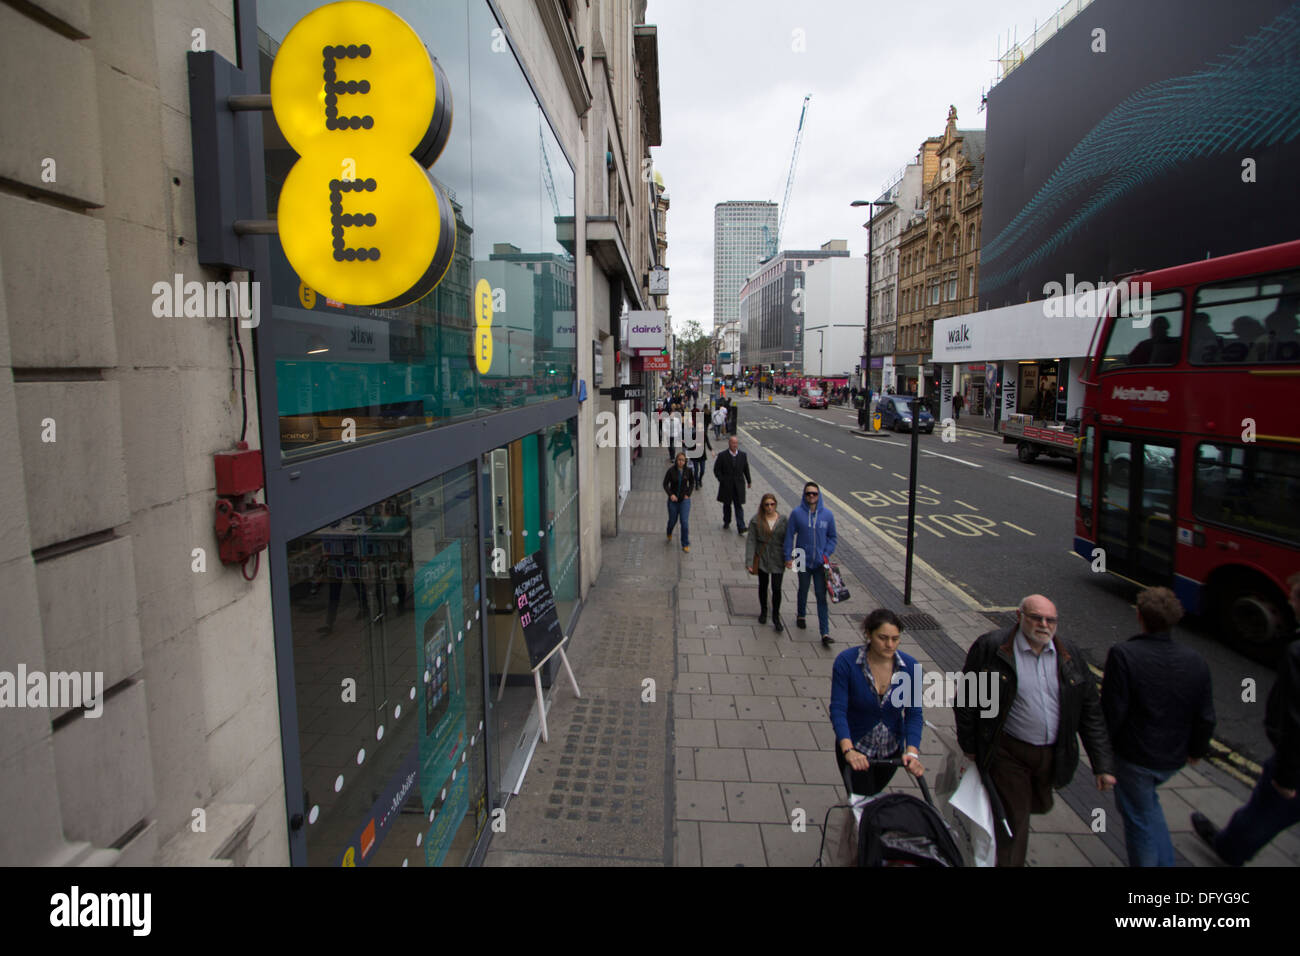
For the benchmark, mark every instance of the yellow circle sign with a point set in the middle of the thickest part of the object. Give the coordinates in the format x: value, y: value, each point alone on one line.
x: 359, y: 98
x: 483, y: 348
x: 482, y: 303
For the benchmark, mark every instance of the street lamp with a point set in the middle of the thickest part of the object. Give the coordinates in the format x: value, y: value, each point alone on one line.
x: 871, y: 205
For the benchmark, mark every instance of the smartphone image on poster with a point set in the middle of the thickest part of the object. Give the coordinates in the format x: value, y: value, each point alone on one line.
x: 437, y: 696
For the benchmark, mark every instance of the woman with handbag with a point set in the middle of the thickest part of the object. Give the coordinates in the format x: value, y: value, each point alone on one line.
x: 872, y: 707
x: 763, y: 556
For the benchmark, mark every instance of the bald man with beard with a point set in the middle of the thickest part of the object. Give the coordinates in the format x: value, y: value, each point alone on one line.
x: 1029, y: 743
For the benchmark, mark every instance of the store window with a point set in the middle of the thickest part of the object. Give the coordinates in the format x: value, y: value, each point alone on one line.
x: 534, y: 503
x: 388, y: 675
x: 348, y: 375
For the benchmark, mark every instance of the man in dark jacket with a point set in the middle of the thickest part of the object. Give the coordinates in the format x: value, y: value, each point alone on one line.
x: 679, y: 483
x: 1026, y: 743
x: 1159, y: 710
x: 731, y: 469
x: 1274, y: 805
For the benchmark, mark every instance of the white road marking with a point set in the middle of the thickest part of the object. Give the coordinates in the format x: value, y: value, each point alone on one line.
x: 964, y: 505
x: 1055, y: 491
x: 959, y: 461
x: 857, y: 458
x: 1020, y: 529
x: 841, y: 451
x: 877, y: 467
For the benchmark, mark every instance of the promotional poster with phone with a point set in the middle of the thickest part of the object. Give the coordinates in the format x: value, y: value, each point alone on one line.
x: 442, y: 689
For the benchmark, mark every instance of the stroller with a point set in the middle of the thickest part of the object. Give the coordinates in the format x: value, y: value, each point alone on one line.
x: 892, y: 829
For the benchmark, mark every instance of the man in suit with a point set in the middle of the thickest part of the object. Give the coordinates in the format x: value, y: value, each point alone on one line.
x: 731, y: 469
x: 1274, y: 804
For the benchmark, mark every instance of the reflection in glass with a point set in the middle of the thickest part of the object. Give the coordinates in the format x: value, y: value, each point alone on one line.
x: 388, y: 670
x: 348, y: 374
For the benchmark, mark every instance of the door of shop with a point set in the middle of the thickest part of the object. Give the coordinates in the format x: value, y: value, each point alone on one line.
x: 1136, y: 493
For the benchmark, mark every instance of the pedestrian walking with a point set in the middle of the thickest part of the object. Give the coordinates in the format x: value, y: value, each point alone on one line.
x: 731, y: 469
x: 1027, y: 743
x: 673, y: 431
x: 1159, y: 711
x: 811, y: 529
x: 679, y: 482
x: 872, y: 710
x: 958, y: 402
x: 763, y: 556
x: 695, y: 441
x: 1274, y: 804
x: 719, y: 419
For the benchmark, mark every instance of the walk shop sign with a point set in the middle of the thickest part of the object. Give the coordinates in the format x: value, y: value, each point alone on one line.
x: 367, y: 110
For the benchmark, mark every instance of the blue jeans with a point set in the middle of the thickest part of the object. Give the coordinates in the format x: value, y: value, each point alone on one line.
x: 1146, y: 835
x: 817, y: 578
x: 1264, y: 816
x: 680, y: 509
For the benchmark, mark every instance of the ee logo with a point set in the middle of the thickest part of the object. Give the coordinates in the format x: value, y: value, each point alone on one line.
x: 482, y: 326
x: 367, y: 109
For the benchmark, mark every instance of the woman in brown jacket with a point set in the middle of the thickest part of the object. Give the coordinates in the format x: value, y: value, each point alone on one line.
x: 763, y: 556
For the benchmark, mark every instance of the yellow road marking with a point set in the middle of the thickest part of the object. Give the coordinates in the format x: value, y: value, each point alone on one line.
x: 1020, y: 529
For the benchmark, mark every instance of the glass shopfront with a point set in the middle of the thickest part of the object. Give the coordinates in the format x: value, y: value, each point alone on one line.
x: 390, y: 558
x: 389, y: 679
x: 352, y: 374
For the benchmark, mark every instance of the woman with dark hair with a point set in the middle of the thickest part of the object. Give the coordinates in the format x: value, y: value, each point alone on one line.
x: 763, y: 556
x: 876, y: 706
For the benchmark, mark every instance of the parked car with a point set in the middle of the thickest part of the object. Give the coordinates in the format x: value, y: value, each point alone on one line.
x: 812, y: 398
x: 896, y: 414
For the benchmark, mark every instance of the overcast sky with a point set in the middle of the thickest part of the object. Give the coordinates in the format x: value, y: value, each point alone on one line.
x: 882, y: 76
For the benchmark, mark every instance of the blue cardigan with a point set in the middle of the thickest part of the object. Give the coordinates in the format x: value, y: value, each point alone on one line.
x: 855, y: 709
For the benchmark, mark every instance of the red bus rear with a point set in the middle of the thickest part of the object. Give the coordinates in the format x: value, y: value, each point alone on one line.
x: 1190, y: 464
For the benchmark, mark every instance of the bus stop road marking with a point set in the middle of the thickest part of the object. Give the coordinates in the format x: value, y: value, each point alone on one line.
x: 1055, y: 491
x: 1020, y: 529
x: 964, y: 505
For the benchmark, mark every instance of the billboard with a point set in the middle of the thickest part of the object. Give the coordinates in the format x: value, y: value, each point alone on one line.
x: 1140, y: 136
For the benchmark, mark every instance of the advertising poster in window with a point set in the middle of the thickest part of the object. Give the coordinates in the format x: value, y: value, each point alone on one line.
x: 535, y: 605
x: 441, y: 670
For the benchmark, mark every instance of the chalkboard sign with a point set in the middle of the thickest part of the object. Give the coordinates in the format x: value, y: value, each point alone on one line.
x: 535, y: 605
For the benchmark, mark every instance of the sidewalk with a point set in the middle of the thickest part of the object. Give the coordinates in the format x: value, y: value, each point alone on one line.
x: 738, y: 738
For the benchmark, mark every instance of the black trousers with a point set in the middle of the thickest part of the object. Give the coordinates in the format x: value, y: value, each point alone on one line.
x: 867, y: 782
x: 763, y: 578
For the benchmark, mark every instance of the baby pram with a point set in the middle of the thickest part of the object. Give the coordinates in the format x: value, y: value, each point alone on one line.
x: 890, y: 829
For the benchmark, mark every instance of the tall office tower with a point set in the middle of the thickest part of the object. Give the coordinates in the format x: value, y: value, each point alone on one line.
x: 744, y: 234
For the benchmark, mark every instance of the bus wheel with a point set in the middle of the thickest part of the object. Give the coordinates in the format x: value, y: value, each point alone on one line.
x: 1254, y: 617
x: 1026, y: 452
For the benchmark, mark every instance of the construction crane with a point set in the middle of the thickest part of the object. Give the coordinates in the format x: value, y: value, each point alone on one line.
x: 775, y: 245
x: 546, y: 170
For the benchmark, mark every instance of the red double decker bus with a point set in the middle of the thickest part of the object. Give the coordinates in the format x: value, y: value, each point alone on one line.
x: 1189, y: 471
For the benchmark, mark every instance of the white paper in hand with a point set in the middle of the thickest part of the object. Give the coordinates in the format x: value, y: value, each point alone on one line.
x: 972, y: 801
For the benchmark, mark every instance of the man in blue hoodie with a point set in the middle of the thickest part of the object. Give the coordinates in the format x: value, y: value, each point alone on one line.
x: 811, y: 529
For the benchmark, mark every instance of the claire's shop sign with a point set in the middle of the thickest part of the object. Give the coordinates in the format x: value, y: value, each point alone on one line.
x: 367, y: 110
x: 646, y: 330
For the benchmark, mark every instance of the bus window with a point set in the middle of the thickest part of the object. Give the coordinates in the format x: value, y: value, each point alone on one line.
x: 1142, y: 337
x: 1253, y: 490
x: 1247, y: 321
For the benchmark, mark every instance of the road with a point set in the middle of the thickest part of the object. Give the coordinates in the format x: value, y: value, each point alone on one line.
x: 998, y: 529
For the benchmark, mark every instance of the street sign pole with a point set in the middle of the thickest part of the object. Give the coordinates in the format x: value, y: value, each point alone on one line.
x: 915, y: 405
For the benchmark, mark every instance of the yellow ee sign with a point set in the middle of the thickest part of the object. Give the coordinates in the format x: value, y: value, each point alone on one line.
x: 367, y: 109
x: 482, y: 336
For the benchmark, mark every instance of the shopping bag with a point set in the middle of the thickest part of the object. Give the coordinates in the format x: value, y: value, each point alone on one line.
x: 835, y: 588
x: 971, y: 801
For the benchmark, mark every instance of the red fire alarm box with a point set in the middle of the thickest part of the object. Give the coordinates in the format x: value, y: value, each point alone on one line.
x: 239, y: 471
x: 243, y: 526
